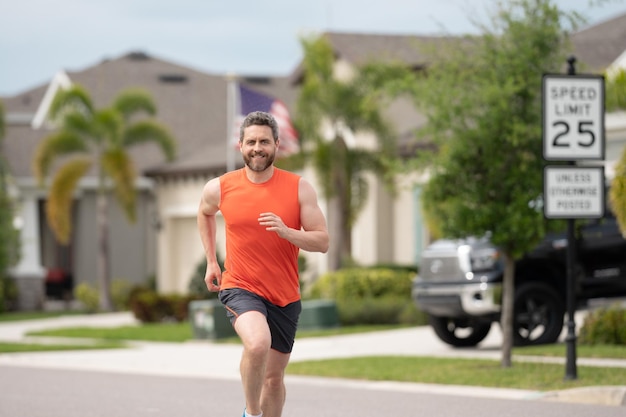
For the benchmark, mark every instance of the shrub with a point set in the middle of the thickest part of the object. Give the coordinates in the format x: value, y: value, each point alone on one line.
x: 177, y: 306
x: 361, y: 283
x: 370, y: 295
x: 8, y: 294
x: 144, y: 305
x: 88, y: 296
x: 385, y: 310
x: 604, y: 326
x: 120, y: 294
x: 150, y: 307
x: 413, y: 269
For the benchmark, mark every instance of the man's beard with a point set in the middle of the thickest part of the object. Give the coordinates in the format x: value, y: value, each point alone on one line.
x: 259, y: 165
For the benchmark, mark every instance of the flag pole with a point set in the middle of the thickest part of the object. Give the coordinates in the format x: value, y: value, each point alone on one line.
x: 231, y: 113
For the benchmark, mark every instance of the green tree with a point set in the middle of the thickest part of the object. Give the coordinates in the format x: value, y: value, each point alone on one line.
x: 97, y: 139
x: 483, y: 103
x: 328, y: 111
x: 9, y: 239
x: 616, y: 91
x: 615, y: 101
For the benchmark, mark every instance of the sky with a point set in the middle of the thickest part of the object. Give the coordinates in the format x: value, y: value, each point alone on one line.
x: 38, y: 38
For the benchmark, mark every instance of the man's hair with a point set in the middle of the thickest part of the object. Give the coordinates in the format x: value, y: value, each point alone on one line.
x: 259, y: 118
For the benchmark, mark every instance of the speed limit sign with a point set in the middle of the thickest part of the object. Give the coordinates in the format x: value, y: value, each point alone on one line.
x: 573, y: 117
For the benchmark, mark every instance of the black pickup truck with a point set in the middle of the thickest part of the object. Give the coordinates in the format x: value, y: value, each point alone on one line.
x: 460, y: 283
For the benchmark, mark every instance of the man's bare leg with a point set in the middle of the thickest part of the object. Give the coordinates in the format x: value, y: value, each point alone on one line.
x: 273, y: 394
x: 255, y: 335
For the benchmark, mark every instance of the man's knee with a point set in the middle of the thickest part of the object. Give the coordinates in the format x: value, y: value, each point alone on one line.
x: 274, y: 380
x: 258, y: 347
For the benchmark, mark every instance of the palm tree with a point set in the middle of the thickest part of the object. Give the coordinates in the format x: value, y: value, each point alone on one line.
x: 90, y: 138
x: 327, y: 111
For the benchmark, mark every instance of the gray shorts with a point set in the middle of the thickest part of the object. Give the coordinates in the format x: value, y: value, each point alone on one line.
x: 282, y: 321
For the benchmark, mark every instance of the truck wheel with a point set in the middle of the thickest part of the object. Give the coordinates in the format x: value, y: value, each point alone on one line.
x: 459, y: 332
x: 538, y: 315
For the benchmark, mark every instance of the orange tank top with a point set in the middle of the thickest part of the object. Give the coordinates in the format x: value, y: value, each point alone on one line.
x: 258, y: 260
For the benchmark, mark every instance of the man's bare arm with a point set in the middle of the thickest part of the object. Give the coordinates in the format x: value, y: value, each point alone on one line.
x: 209, y: 206
x: 313, y: 237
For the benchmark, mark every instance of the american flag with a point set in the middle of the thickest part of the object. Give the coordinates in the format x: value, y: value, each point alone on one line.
x: 250, y: 100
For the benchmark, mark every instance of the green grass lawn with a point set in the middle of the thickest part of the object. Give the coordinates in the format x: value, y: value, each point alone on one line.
x: 487, y: 373
x: 10, y: 347
x: 151, y: 332
x: 582, y: 351
x: 177, y: 332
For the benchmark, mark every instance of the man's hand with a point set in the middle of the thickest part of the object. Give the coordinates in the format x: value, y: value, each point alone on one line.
x: 273, y: 223
x: 213, y: 278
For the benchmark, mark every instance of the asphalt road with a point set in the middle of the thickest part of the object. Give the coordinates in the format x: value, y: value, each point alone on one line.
x: 38, y: 392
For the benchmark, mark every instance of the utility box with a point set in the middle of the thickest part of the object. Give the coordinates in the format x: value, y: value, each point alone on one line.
x: 318, y: 314
x: 208, y: 320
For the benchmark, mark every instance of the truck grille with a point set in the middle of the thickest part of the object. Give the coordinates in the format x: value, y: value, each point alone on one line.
x: 440, y: 267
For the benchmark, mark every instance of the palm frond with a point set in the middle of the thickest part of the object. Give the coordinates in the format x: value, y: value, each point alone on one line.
x: 363, y: 161
x: 59, y: 204
x: 150, y: 131
x: 61, y: 143
x: 80, y: 123
x: 72, y: 99
x: 294, y: 162
x: 134, y: 100
x: 359, y: 194
x: 323, y: 164
x: 109, y: 125
x: 119, y: 167
x: 316, y: 93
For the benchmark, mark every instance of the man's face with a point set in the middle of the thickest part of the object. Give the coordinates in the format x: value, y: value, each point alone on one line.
x: 258, y: 147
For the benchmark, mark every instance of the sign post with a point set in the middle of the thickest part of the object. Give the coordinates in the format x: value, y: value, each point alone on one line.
x: 573, y: 130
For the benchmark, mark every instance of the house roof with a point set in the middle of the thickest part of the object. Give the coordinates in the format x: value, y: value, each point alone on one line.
x: 361, y: 48
x: 193, y: 104
x: 597, y: 47
x: 190, y: 103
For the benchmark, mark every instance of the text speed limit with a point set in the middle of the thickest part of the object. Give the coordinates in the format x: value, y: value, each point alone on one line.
x: 573, y: 117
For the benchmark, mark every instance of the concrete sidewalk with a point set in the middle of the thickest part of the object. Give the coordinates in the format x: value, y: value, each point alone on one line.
x: 208, y: 359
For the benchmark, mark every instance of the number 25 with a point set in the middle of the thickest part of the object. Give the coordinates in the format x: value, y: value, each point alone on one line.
x: 582, y: 129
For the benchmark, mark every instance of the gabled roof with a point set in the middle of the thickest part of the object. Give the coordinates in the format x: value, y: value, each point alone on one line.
x: 59, y: 82
x: 361, y: 48
x: 412, y: 50
x: 597, y: 47
x: 190, y: 103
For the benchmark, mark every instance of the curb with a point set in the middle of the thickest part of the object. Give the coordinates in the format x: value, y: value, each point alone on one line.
x: 599, y: 395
